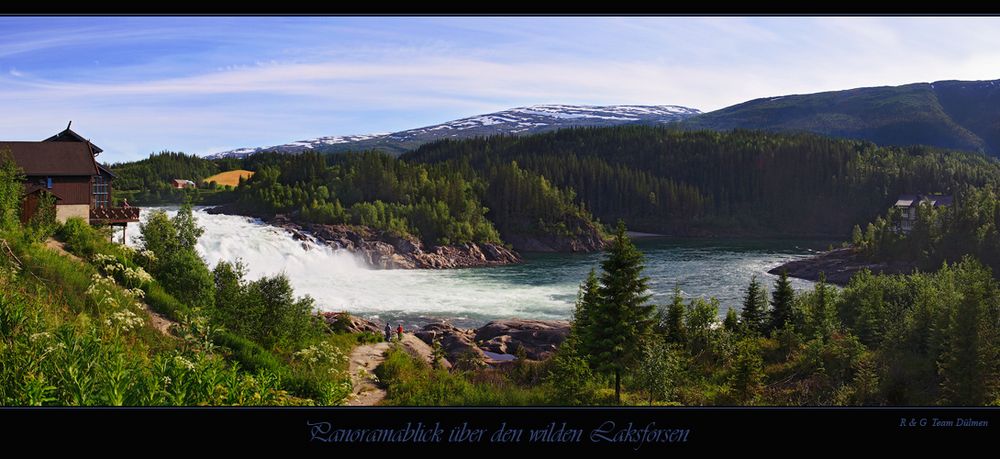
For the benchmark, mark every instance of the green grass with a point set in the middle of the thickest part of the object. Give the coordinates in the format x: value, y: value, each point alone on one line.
x: 412, y: 382
x: 52, y: 290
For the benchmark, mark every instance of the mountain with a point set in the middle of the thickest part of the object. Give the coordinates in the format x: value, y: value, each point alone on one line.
x: 522, y: 120
x: 963, y: 115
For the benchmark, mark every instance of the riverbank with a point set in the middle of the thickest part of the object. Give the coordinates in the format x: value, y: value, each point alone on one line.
x: 839, y: 265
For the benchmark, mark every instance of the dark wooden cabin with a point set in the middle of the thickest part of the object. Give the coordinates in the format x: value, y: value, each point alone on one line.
x: 65, y: 166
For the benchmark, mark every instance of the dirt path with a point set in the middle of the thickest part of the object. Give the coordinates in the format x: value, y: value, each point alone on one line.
x: 362, y: 365
x: 365, y: 358
x: 60, y: 248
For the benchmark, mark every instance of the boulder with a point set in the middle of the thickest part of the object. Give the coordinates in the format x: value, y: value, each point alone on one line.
x: 539, y: 338
x: 456, y: 342
x: 344, y: 322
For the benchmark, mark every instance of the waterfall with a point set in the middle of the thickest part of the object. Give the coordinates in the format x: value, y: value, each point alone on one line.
x: 340, y: 281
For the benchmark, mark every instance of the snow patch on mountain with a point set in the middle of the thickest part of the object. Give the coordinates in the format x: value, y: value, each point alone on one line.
x: 521, y: 120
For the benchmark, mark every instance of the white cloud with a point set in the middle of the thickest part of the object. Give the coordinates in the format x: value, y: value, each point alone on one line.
x: 334, y: 88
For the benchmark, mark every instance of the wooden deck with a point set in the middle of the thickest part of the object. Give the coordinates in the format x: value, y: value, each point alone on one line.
x: 114, y: 215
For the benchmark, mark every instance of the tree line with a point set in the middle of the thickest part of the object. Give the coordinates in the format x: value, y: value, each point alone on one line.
x: 694, y: 182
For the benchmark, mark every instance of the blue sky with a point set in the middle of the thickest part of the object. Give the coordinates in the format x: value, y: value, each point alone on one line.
x: 206, y: 84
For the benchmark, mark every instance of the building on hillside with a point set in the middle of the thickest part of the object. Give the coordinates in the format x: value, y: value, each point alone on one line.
x: 907, y: 205
x: 65, y: 166
x: 181, y: 184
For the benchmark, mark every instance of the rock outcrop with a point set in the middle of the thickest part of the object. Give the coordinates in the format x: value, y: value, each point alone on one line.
x: 839, y: 265
x: 346, y: 323
x: 538, y: 338
x: 458, y: 344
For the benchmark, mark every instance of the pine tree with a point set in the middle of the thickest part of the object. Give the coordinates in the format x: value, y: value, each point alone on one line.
x: 782, y: 299
x: 754, y: 307
x: 623, y: 315
x: 588, y: 300
x: 674, y: 326
x: 821, y: 317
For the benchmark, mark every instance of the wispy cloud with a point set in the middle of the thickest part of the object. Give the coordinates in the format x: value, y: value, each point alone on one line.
x: 137, y: 85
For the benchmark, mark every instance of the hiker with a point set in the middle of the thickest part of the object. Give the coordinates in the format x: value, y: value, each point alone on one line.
x: 388, y: 332
x: 399, y: 330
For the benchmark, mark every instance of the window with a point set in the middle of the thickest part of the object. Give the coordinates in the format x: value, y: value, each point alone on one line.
x: 101, y: 194
x: 48, y: 182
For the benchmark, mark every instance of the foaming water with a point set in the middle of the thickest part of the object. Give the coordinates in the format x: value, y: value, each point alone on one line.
x: 544, y: 287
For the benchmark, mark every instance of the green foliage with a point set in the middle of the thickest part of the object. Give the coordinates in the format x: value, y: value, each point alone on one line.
x: 782, y: 302
x: 439, y: 205
x: 177, y: 265
x: 666, y: 181
x: 43, y: 223
x: 265, y: 310
x: 623, y: 316
x: 105, y: 353
x: 940, y: 234
x: 412, y: 382
x: 570, y: 377
x: 747, y: 375
x: 821, y: 310
x: 148, y: 181
x: 10, y: 192
x: 732, y: 321
x: 660, y: 369
x: 673, y: 321
x: 950, y: 114
x: 755, y: 308
x: 587, y: 305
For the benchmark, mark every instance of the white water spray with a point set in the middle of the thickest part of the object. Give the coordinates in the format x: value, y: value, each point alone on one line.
x: 339, y: 281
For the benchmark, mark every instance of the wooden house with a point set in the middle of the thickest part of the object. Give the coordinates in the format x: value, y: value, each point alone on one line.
x: 65, y: 166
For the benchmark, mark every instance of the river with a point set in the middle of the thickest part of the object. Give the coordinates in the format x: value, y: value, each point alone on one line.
x: 543, y: 287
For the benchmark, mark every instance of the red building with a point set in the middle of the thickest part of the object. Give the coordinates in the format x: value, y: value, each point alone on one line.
x: 64, y: 166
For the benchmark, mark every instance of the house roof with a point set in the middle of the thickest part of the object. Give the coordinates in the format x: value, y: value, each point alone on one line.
x: 941, y: 200
x: 936, y: 200
x: 906, y: 200
x: 105, y: 170
x: 52, y: 158
x: 69, y: 136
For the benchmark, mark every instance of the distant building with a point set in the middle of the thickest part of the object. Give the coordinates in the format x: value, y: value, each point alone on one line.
x: 181, y: 183
x: 908, y: 203
x: 64, y: 166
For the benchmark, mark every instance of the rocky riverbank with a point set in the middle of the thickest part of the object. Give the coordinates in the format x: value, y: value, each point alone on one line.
x: 383, y: 250
x: 494, y: 343
x: 839, y: 265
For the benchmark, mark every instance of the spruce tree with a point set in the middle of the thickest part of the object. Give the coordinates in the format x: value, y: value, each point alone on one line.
x: 782, y: 299
x: 754, y: 307
x: 587, y: 302
x: 623, y: 315
x: 674, y: 324
x: 821, y: 319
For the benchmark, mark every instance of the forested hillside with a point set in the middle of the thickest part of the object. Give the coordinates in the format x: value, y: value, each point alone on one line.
x: 743, y: 182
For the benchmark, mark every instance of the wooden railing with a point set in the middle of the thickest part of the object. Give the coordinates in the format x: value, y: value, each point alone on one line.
x: 114, y: 214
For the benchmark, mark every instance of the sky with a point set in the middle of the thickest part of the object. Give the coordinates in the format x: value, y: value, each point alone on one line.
x: 136, y: 85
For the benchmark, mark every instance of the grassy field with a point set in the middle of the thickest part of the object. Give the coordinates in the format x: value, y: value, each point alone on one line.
x: 231, y: 178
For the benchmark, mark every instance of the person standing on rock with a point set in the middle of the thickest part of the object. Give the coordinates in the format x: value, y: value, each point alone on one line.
x: 388, y: 332
x: 399, y: 330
